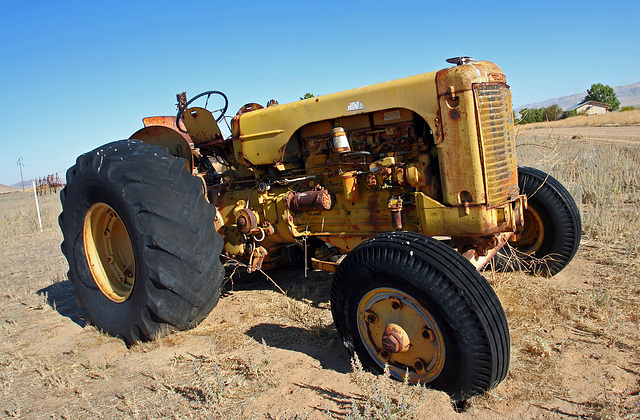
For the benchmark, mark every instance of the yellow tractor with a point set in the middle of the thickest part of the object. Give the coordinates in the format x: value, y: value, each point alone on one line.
x: 403, y: 189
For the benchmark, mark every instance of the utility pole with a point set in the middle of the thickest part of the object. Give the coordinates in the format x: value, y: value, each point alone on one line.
x: 20, y: 165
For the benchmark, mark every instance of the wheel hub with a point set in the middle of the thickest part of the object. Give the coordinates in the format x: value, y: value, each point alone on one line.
x: 529, y: 237
x: 109, y: 252
x: 399, y: 332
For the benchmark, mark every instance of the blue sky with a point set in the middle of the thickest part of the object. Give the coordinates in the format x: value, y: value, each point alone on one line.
x: 75, y: 75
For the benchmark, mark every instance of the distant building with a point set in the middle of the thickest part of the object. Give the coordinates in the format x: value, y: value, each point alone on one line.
x: 590, y: 108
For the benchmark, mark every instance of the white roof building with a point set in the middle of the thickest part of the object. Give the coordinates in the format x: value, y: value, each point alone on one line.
x: 590, y: 108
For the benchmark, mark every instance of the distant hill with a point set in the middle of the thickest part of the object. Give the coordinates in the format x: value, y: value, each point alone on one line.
x: 28, y: 184
x: 628, y: 95
x: 5, y: 189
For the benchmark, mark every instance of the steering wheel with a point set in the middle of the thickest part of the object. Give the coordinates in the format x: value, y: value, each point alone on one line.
x: 208, y: 93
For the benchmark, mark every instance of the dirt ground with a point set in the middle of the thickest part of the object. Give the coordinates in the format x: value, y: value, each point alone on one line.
x: 263, y: 355
x: 260, y: 354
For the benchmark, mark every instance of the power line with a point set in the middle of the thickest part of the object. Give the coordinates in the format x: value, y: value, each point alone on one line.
x: 20, y: 165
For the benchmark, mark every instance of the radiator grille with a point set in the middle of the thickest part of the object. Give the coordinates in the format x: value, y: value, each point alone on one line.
x: 495, y: 117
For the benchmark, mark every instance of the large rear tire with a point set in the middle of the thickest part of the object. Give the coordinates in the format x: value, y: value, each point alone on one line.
x: 413, y: 303
x: 140, y: 240
x: 550, y: 237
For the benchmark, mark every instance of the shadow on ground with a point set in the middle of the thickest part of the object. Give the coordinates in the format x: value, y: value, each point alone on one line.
x: 315, y: 286
x: 62, y: 296
x: 327, y: 348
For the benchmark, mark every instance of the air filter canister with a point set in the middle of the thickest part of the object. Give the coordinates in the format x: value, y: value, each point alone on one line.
x: 340, y: 140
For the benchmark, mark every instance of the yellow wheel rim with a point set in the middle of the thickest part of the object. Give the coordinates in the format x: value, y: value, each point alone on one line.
x: 109, y: 252
x: 530, y: 237
x: 384, y: 307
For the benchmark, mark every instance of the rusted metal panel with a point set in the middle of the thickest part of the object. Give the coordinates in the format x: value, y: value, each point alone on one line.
x: 436, y: 219
x: 158, y: 135
x: 202, y: 126
x: 166, y: 121
x: 482, y: 170
x: 459, y: 151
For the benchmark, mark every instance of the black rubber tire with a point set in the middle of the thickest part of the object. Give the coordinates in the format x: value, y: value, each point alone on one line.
x: 561, y: 224
x: 463, y: 304
x: 178, y: 271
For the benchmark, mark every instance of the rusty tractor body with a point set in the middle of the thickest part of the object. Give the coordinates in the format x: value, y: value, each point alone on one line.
x: 407, y: 180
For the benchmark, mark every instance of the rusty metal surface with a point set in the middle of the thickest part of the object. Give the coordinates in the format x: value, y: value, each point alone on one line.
x: 166, y: 137
x: 394, y: 204
x: 495, y: 117
x: 166, y: 121
x: 459, y: 150
x: 328, y: 266
x: 202, y: 126
x: 309, y: 200
x: 248, y: 108
x: 479, y: 262
x: 468, y: 93
x: 257, y: 258
x: 350, y: 185
x: 246, y: 220
x: 416, y: 163
x: 395, y: 339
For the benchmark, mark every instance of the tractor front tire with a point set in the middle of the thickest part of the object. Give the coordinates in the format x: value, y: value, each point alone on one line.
x: 412, y: 303
x: 140, y: 240
x: 550, y: 237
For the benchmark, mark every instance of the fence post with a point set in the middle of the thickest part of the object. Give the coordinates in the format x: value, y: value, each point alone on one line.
x: 35, y: 195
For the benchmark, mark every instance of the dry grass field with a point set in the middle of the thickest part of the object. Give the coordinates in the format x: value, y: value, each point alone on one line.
x: 613, y: 119
x: 261, y: 354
